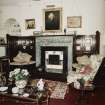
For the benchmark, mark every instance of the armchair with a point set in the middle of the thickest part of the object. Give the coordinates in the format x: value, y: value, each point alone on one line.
x: 86, y: 69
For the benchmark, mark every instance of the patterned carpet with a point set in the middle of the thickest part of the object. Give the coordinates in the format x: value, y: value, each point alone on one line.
x: 58, y: 89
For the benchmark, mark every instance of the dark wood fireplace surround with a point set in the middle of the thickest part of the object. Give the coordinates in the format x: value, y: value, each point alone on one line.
x: 13, y: 48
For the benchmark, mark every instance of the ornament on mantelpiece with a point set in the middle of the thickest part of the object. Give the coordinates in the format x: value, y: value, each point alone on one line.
x: 75, y: 32
x: 50, y: 6
x: 65, y: 31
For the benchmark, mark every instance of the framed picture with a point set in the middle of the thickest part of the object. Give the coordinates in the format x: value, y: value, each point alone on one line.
x: 30, y: 23
x: 74, y: 22
x: 53, y: 19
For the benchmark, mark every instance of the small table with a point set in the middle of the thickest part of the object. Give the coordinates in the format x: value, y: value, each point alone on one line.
x: 35, y: 98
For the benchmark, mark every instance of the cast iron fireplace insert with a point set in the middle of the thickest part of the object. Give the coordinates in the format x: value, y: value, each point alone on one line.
x: 54, y: 60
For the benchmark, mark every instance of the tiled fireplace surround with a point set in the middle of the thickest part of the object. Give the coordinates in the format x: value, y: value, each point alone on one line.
x: 55, y: 41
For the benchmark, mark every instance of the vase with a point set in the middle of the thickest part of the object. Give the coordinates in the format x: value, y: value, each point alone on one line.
x: 15, y: 90
x: 21, y: 83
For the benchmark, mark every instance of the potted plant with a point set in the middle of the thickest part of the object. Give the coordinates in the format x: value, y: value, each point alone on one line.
x: 20, y: 76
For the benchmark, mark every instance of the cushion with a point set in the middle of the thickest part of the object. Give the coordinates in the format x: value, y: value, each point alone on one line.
x: 97, y: 60
x: 83, y: 60
x: 86, y: 69
x: 22, y: 57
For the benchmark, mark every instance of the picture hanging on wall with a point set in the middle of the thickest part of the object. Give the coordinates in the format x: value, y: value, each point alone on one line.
x: 53, y: 19
x: 30, y: 23
x: 74, y: 22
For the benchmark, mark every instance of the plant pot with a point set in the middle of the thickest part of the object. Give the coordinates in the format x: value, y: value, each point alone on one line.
x: 21, y: 84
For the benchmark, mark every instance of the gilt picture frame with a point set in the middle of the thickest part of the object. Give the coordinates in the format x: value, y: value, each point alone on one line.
x: 30, y: 23
x: 74, y: 22
x: 52, y: 19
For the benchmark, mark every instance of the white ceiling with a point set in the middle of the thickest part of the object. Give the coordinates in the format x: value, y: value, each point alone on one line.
x: 14, y: 2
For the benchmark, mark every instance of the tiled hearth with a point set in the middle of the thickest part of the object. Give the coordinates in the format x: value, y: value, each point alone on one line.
x: 56, y: 42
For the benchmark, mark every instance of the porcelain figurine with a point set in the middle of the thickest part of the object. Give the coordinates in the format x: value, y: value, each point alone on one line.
x: 40, y: 85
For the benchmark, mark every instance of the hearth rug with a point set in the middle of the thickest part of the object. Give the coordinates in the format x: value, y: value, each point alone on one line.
x: 58, y: 89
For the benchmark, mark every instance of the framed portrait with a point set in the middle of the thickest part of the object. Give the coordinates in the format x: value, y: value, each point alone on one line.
x: 52, y: 19
x: 74, y: 22
x: 30, y: 23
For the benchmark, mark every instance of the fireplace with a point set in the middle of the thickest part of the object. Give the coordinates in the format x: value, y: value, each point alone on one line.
x: 54, y: 59
x: 54, y: 56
